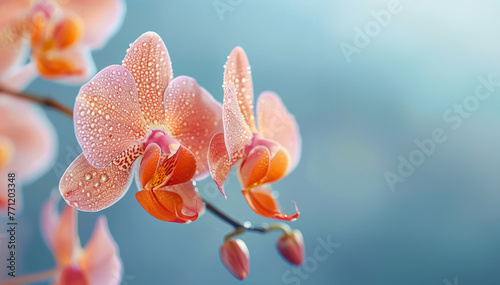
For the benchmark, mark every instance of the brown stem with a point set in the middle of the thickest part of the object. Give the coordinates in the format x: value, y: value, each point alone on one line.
x: 47, y: 102
x: 36, y: 277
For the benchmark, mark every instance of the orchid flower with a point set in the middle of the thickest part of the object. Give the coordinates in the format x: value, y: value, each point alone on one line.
x: 137, y: 110
x: 264, y: 155
x: 27, y: 145
x: 98, y: 263
x: 61, y: 35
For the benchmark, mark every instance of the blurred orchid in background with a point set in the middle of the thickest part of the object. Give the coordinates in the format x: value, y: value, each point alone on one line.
x: 98, y: 263
x: 58, y: 35
x: 265, y: 155
x: 135, y: 110
x: 27, y: 144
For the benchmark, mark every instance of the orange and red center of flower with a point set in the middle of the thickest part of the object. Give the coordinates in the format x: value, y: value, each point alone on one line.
x: 50, y: 35
x: 265, y: 161
x: 165, y: 163
x: 162, y: 162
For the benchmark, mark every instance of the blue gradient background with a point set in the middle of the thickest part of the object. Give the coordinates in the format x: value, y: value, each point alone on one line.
x: 355, y: 118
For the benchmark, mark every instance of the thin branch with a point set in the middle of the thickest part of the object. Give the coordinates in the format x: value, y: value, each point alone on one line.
x: 47, y: 102
x: 233, y: 222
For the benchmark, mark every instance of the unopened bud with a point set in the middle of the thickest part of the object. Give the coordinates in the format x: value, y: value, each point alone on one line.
x: 291, y: 247
x: 235, y: 256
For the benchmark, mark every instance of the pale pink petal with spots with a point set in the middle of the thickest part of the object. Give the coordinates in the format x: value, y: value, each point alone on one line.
x: 238, y: 74
x: 192, y: 117
x: 90, y: 189
x: 107, y: 116
x: 101, y: 18
x: 277, y: 124
x: 32, y: 135
x: 101, y: 261
x: 219, y: 162
x: 148, y: 61
x: 237, y: 133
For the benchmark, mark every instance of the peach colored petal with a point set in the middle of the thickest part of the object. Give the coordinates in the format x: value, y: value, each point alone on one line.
x: 50, y: 219
x: 148, y: 61
x: 101, y: 18
x: 32, y: 135
x: 101, y: 261
x: 168, y: 205
x: 149, y: 164
x: 65, y: 239
x: 237, y: 133
x: 276, y: 123
x: 219, y: 162
x: 107, y: 116
x: 254, y: 167
x: 238, y: 74
x: 13, y: 52
x: 192, y: 117
x: 11, y: 10
x: 183, y: 168
x: 90, y: 189
x: 278, y: 166
x: 19, y: 77
x: 262, y: 202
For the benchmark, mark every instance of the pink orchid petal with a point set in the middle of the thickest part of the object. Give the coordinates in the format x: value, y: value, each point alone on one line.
x: 91, y: 189
x: 4, y: 196
x: 237, y: 133
x: 50, y: 219
x: 192, y: 117
x: 11, y: 10
x: 101, y: 18
x: 13, y: 47
x: 19, y: 77
x: 148, y: 61
x: 107, y: 116
x: 219, y: 162
x: 32, y: 135
x: 65, y: 239
x: 254, y: 167
x: 277, y: 124
x: 238, y: 74
x: 101, y: 261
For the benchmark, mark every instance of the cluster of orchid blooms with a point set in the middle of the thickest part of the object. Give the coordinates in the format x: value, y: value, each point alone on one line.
x: 137, y: 113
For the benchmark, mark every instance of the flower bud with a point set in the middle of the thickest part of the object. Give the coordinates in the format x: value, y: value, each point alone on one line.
x: 235, y: 256
x: 291, y: 247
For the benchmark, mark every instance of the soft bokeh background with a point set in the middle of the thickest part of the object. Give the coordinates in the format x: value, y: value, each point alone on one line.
x: 355, y: 118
